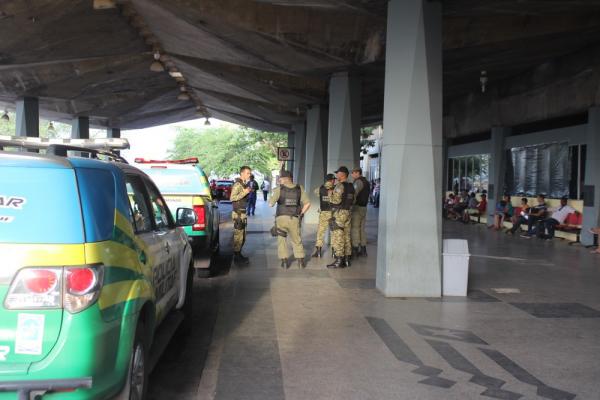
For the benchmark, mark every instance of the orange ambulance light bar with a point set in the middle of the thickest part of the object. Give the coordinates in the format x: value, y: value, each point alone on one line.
x: 191, y: 160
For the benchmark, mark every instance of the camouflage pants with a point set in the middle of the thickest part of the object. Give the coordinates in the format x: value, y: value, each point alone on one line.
x: 239, y: 235
x: 359, y: 233
x: 324, y: 217
x: 340, y: 238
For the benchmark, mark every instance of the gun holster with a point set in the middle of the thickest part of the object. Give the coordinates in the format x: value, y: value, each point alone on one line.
x: 333, y: 225
x: 239, y: 223
x: 275, y: 231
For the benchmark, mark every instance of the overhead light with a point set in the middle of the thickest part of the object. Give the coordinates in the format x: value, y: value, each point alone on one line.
x: 183, y: 96
x: 5, y: 116
x: 483, y: 79
x: 51, y: 128
x: 207, y: 122
x: 176, y: 74
x: 156, y: 65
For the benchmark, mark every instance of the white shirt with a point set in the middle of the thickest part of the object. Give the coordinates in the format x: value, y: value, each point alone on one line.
x: 560, y: 213
x: 266, y: 186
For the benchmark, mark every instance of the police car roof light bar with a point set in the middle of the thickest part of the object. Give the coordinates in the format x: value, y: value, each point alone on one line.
x: 61, y: 150
x: 190, y: 160
x: 106, y: 144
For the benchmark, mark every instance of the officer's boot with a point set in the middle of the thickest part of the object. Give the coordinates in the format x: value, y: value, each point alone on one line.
x: 337, y: 263
x: 346, y: 261
x: 301, y: 263
x: 239, y: 259
x: 318, y: 252
x: 355, y: 252
x: 285, y: 263
x: 363, y: 251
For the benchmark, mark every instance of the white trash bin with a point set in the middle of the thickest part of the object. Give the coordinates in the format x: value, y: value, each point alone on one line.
x: 455, y: 267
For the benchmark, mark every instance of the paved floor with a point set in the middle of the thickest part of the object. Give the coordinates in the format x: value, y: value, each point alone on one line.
x: 530, y: 328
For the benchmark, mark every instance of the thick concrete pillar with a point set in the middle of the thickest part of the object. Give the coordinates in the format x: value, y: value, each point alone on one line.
x: 591, y: 206
x: 113, y: 133
x: 316, y: 146
x: 343, y: 141
x: 290, y: 143
x: 496, y: 170
x: 28, y: 117
x: 299, y: 152
x: 410, y: 225
x: 80, y: 128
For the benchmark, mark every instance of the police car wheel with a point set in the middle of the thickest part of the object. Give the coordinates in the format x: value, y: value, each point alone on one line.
x: 138, y: 370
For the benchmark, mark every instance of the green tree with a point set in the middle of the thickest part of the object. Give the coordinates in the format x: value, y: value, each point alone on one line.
x: 8, y: 127
x: 225, y: 149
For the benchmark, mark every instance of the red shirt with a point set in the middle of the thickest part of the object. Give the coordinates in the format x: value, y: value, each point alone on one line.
x: 482, y: 206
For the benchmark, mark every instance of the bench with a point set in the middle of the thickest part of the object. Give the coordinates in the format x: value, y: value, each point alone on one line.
x: 572, y: 225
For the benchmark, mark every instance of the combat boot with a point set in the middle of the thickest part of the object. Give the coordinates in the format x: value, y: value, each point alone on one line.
x: 337, y: 263
x: 239, y: 259
x: 346, y: 261
x: 301, y: 263
x: 363, y: 251
x: 318, y: 252
x: 285, y: 263
x: 355, y: 252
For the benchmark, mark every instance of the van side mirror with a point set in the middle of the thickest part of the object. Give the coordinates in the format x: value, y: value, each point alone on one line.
x: 186, y: 217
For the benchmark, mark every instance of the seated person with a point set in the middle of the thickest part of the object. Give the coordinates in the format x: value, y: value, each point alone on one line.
x: 536, y: 215
x: 504, y: 210
x: 475, y: 207
x: 521, y: 218
x: 449, y: 205
x: 460, y: 205
x: 558, y: 217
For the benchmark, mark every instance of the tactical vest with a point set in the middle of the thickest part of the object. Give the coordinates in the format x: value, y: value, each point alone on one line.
x: 240, y: 205
x: 347, y: 197
x: 289, y: 201
x: 324, y: 199
x: 362, y: 199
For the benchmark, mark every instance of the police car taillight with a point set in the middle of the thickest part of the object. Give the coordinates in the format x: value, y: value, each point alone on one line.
x: 200, y: 224
x: 35, y: 288
x: 74, y: 288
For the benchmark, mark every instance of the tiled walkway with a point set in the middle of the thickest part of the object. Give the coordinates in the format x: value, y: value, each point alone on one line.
x: 264, y: 333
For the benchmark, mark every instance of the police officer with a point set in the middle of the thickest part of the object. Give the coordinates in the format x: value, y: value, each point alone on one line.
x: 341, y: 199
x: 239, y: 201
x: 362, y: 190
x: 324, y: 212
x: 292, y: 202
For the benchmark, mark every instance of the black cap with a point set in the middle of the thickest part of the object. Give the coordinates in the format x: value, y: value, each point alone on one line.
x: 285, y: 174
x: 564, y: 198
x: 329, y: 177
x: 343, y: 169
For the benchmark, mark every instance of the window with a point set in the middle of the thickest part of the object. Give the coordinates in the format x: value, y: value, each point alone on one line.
x: 468, y: 173
x: 136, y: 192
x: 162, y: 216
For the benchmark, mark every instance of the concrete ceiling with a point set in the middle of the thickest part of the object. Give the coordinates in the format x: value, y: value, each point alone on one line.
x: 255, y: 62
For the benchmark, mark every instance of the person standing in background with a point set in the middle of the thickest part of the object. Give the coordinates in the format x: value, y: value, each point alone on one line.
x: 239, y: 200
x: 265, y: 187
x: 253, y: 186
x: 359, y: 213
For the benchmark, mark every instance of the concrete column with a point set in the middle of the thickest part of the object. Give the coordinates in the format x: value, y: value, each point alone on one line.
x: 496, y: 170
x: 290, y: 143
x: 316, y: 145
x: 410, y: 223
x: 113, y: 133
x: 299, y: 152
x: 445, y: 165
x: 343, y: 142
x: 80, y: 128
x: 28, y: 117
x: 591, y: 206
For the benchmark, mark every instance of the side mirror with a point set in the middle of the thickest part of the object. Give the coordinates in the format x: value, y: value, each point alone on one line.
x: 186, y: 217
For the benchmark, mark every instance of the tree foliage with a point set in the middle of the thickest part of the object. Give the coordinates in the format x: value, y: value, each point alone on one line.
x: 225, y: 149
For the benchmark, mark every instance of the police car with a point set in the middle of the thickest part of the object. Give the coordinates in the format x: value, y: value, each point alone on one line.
x: 95, y: 272
x: 184, y: 184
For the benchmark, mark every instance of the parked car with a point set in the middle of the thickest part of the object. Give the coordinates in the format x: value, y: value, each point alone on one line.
x: 223, y: 189
x: 94, y: 270
x: 184, y: 184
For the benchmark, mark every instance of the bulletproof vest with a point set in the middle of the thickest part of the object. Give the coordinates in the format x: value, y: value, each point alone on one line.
x: 347, y: 197
x: 362, y: 199
x: 289, y: 201
x: 324, y: 199
x: 240, y: 205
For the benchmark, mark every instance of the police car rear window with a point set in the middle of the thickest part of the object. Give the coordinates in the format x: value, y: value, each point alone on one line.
x: 179, y: 181
x: 39, y: 205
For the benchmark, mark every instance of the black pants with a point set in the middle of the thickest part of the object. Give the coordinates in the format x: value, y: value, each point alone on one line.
x: 516, y: 226
x: 533, y: 221
x: 548, y: 224
x: 265, y: 193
